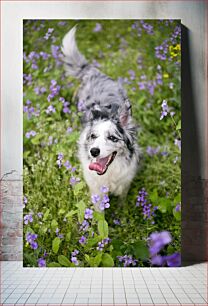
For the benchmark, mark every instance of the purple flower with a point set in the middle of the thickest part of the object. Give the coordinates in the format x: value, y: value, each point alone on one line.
x: 157, y: 260
x: 100, y: 246
x: 81, y: 106
x: 84, y: 226
x: 30, y: 134
x: 177, y: 142
x: 104, y: 205
x: 25, y: 200
x: 31, y: 237
x: 74, y: 180
x: 60, y: 156
x: 73, y: 169
x: 95, y: 198
x: 157, y: 241
x: 75, y: 253
x: 88, y: 213
x: 127, y: 260
x: 165, y: 109
x: 67, y: 165
x: 116, y: 221
x: 141, y: 85
x: 69, y: 130
x: 82, y: 240
x: 152, y: 151
x: 97, y: 28
x: 34, y: 245
x: 40, y: 214
x: 104, y: 189
x: 173, y: 260
x: 41, y: 262
x: 28, y: 218
x: 74, y: 260
x: 50, y: 109
x: 178, y: 207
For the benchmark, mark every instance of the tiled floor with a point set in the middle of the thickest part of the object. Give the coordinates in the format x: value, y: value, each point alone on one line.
x: 103, y: 286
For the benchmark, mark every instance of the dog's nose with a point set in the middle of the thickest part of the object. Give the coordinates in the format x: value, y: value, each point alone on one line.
x: 95, y: 152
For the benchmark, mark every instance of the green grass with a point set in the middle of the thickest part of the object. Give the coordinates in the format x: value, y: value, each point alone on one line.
x: 117, y: 49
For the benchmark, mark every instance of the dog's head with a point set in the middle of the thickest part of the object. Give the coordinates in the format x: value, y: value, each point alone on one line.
x: 106, y: 139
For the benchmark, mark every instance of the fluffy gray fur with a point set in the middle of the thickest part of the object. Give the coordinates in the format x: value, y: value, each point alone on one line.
x: 106, y: 113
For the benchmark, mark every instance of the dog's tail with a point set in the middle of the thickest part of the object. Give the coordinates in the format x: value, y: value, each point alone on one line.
x: 75, y: 63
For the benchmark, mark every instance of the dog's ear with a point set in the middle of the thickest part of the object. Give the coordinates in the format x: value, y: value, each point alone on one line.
x: 125, y: 114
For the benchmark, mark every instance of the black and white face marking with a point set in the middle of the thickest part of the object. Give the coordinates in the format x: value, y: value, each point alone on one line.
x: 104, y: 141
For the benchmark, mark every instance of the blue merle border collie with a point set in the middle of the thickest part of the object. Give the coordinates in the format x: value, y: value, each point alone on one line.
x: 108, y: 150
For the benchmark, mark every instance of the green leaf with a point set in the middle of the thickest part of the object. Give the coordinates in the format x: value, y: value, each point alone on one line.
x: 178, y: 127
x: 46, y: 214
x: 36, y: 140
x: 78, y: 187
x: 117, y: 244
x: 98, y: 216
x: 140, y: 250
x: 95, y: 261
x: 107, y: 260
x: 154, y: 196
x: 54, y: 224
x: 103, y: 228
x: 93, y: 241
x: 55, y: 244
x: 177, y: 214
x: 53, y: 264
x: 61, y: 211
x: 70, y: 214
x: 68, y: 236
x: 81, y: 211
x: 63, y: 260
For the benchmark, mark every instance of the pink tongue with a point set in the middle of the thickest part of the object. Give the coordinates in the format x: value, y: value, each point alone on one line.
x: 96, y: 167
x: 99, y: 166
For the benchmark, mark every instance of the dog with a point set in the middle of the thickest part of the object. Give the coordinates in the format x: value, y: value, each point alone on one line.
x: 108, y: 150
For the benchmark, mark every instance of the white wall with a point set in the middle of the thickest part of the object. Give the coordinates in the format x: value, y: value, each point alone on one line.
x: 192, y: 15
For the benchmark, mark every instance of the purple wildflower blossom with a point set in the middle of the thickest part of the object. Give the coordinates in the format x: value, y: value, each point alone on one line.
x: 177, y: 142
x: 28, y: 218
x: 104, y: 205
x: 25, y: 200
x: 157, y: 241
x: 173, y: 260
x: 95, y: 198
x: 74, y: 260
x: 88, y: 213
x: 116, y: 221
x: 84, y: 226
x: 34, y: 245
x: 75, y: 253
x: 69, y: 130
x: 30, y: 134
x: 82, y: 240
x: 104, y: 189
x: 127, y: 260
x: 152, y: 151
x: 41, y: 262
x: 97, y: 28
x: 178, y: 207
x: 67, y: 165
x: 50, y: 109
x: 40, y: 214
x: 74, y: 180
x: 165, y: 109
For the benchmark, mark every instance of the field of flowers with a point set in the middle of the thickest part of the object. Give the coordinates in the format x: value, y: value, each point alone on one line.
x: 61, y: 227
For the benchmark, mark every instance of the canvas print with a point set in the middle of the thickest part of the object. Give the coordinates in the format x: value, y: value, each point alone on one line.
x: 102, y: 142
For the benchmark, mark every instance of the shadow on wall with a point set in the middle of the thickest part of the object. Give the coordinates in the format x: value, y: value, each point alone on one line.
x: 194, y: 208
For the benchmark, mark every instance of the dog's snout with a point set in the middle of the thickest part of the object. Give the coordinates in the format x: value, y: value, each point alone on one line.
x: 95, y: 152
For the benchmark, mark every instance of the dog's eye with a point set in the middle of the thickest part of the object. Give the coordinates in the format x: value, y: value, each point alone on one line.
x: 93, y: 136
x: 113, y: 138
